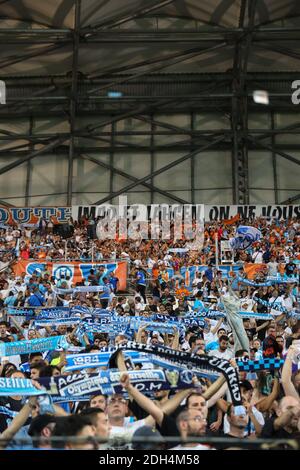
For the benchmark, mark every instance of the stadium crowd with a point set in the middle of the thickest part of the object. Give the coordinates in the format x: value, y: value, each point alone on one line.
x: 172, y: 418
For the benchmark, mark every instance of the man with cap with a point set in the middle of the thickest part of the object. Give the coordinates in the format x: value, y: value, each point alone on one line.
x: 147, y: 438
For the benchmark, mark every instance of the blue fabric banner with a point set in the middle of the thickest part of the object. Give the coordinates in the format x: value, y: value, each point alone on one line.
x: 273, y: 305
x: 248, y: 365
x: 101, y: 359
x: 17, y: 386
x: 108, y: 382
x: 34, y: 345
x: 56, y: 322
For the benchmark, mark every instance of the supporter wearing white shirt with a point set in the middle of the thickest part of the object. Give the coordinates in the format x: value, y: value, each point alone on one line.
x: 257, y: 256
x: 138, y: 263
x: 247, y: 304
x: 197, y: 279
x: 151, y: 262
x: 275, y: 300
x: 272, y: 267
x: 122, y: 429
x: 139, y: 304
x: 288, y: 301
x: 222, y: 352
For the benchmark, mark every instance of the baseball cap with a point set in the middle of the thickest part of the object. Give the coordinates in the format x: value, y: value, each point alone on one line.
x: 146, y: 438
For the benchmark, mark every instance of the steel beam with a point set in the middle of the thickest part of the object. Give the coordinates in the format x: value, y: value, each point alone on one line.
x: 274, y: 162
x: 29, y: 167
x: 275, y: 150
x: 111, y: 158
x: 161, y: 170
x: 34, y: 154
x: 239, y: 118
x: 164, y: 61
x: 291, y: 199
x: 118, y: 20
x: 133, y: 178
x: 192, y: 169
x: 73, y: 100
x: 152, y: 156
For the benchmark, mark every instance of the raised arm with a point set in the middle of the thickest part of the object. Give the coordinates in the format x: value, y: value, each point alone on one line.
x: 18, y: 421
x: 16, y: 324
x: 215, y: 329
x: 155, y: 413
x: 139, y: 333
x: 263, y: 326
x: 286, y: 377
x: 170, y: 406
x: 265, y: 403
x: 175, y: 342
x: 219, y: 394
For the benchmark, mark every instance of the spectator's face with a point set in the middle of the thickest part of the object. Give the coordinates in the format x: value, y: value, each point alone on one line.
x: 3, y: 330
x: 272, y: 332
x: 200, y: 343
x: 297, y: 381
x: 102, y: 426
x: 98, y: 401
x: 34, y: 373
x: 35, y: 360
x: 195, y: 425
x: 116, y: 407
x: 62, y: 329
x: 221, y: 332
x: 87, y: 431
x: 223, y: 345
x: 256, y: 344
x: 144, y: 337
x: 198, y: 403
x: 32, y: 334
x: 239, y: 421
x: 291, y: 403
x: 280, y: 341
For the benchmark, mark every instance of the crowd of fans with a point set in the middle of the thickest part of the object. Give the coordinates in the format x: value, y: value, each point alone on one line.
x: 172, y: 419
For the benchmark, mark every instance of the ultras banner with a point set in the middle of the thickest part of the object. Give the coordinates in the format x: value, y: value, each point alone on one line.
x: 76, y: 270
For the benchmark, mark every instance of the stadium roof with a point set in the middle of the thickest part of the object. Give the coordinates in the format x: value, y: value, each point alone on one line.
x: 75, y: 59
x: 173, y: 36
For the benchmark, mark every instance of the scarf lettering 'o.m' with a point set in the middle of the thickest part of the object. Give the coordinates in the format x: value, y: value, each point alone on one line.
x: 192, y: 360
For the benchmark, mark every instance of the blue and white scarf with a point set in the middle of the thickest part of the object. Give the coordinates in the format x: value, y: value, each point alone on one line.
x: 273, y: 305
x: 34, y: 345
x: 100, y: 359
x: 17, y: 386
x: 243, y: 280
x: 56, y: 322
x: 194, y: 361
x: 247, y: 365
x: 108, y: 382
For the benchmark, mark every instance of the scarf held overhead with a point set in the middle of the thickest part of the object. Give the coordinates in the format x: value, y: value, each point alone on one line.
x: 192, y: 360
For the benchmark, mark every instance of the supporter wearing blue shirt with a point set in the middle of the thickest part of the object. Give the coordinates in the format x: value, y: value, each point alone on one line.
x: 36, y: 299
x: 141, y: 283
x: 106, y: 294
x: 140, y: 277
x: 114, y: 281
x: 209, y: 273
x: 10, y: 300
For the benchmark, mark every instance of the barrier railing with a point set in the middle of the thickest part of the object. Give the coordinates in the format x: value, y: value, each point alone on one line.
x: 221, y: 442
